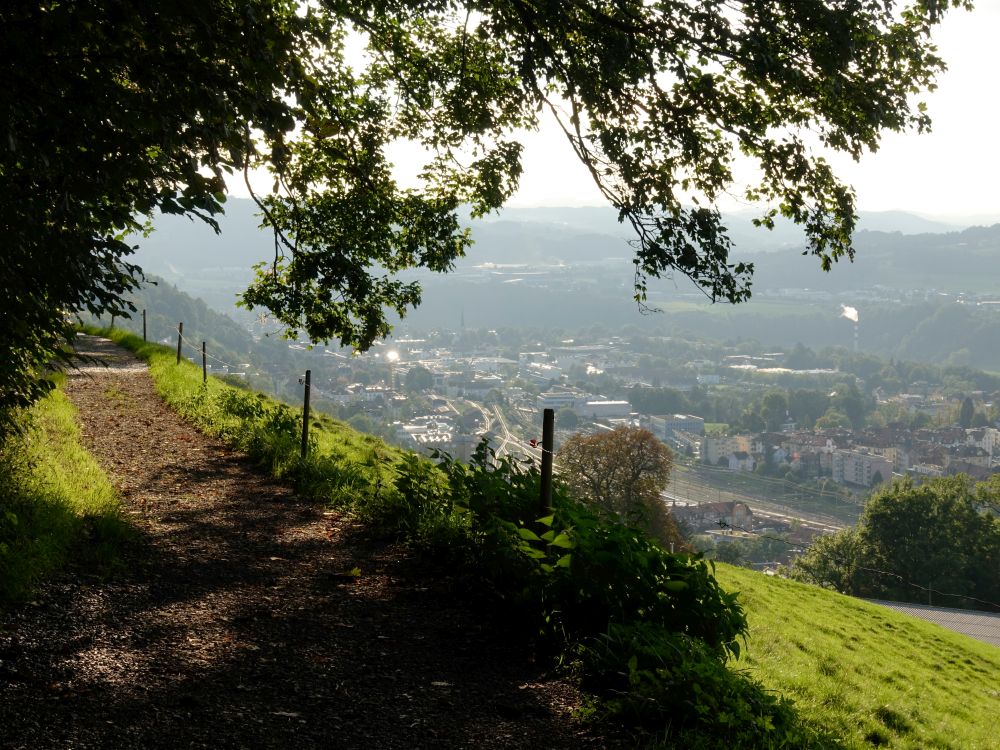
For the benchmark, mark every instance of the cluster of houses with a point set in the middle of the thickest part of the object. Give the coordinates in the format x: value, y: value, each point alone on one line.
x: 862, y: 459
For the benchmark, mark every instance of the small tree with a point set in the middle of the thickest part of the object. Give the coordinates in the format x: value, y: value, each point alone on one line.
x: 622, y: 473
x: 419, y: 378
x: 568, y: 419
x: 966, y: 413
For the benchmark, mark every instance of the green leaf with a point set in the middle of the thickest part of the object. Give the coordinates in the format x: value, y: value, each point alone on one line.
x: 528, y: 535
x: 563, y: 541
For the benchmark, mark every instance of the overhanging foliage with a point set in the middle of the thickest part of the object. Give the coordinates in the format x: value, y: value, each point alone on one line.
x: 115, y: 109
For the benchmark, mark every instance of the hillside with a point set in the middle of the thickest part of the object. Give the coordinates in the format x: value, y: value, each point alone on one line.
x: 248, y: 615
x: 869, y: 675
x: 229, y: 603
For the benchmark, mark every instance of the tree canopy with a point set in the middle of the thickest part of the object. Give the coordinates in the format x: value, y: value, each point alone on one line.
x: 621, y: 472
x: 938, y: 542
x: 114, y: 110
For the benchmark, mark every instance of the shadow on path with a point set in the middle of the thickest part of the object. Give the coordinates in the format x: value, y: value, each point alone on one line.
x: 240, y: 621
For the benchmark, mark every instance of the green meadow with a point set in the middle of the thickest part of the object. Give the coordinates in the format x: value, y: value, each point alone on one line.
x: 867, y: 674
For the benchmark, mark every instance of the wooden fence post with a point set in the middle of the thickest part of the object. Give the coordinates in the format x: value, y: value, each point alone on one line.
x: 144, y: 324
x: 305, y: 414
x: 180, y: 335
x: 548, y: 439
x: 204, y: 364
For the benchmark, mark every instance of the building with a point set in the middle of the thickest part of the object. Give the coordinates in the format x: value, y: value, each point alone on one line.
x: 559, y: 399
x: 604, y: 409
x: 860, y: 468
x: 664, y: 427
x: 741, y: 461
x: 716, y: 447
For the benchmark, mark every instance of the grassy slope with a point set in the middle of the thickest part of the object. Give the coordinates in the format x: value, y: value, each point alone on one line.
x: 870, y: 675
x: 56, y: 503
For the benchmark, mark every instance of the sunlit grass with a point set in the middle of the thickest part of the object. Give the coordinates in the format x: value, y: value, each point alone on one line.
x: 343, y: 467
x: 176, y: 384
x: 56, y: 503
x: 868, y: 674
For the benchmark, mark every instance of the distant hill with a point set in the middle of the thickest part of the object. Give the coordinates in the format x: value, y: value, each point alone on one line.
x: 965, y: 261
x: 216, y: 267
x: 166, y: 306
x: 565, y: 268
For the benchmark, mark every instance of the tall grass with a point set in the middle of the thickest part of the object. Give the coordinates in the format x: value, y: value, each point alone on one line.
x: 56, y: 503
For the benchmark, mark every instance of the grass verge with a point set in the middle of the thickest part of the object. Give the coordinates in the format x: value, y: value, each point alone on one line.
x: 866, y: 674
x: 56, y: 503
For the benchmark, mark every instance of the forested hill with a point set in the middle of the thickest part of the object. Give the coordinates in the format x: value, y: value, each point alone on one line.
x: 964, y: 261
x: 561, y: 268
x: 166, y: 306
x: 215, y: 267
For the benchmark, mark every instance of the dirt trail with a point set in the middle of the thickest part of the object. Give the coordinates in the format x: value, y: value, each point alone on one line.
x: 237, y: 625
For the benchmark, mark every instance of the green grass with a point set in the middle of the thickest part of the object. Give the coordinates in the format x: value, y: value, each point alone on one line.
x: 56, y: 504
x: 867, y: 674
x: 176, y: 384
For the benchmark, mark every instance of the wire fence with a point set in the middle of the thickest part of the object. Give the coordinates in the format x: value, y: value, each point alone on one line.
x: 310, y: 389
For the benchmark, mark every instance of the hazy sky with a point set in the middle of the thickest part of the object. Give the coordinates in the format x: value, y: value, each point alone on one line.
x: 951, y: 173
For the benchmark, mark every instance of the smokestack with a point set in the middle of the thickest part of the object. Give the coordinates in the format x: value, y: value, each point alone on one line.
x: 851, y: 313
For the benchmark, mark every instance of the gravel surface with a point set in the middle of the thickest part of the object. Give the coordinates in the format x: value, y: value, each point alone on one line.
x: 239, y: 624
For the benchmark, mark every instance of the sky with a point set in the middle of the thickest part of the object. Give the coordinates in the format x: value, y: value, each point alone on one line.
x: 951, y: 173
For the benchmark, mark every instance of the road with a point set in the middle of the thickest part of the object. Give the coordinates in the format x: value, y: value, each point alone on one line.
x: 510, y: 443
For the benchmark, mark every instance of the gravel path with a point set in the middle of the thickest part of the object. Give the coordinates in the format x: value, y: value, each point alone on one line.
x: 239, y: 624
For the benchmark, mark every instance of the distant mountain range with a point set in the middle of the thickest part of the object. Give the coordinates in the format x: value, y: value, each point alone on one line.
x: 572, y: 267
x: 188, y: 253
x: 217, y: 267
x: 604, y: 220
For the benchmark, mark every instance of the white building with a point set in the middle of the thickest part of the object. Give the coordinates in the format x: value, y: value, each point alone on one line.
x: 859, y: 467
x: 603, y: 409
